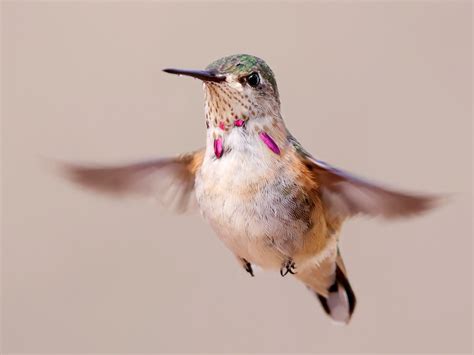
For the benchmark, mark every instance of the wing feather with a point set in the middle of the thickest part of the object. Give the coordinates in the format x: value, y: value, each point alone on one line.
x: 170, y: 180
x: 346, y: 195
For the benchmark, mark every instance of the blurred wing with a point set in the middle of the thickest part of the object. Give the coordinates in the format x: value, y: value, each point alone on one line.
x: 171, y: 180
x: 346, y: 195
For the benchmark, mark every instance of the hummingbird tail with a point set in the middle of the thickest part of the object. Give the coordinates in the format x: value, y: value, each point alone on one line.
x: 328, y: 281
x: 340, y: 301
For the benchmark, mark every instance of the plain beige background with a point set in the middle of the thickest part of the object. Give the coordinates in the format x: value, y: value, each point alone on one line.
x: 379, y: 88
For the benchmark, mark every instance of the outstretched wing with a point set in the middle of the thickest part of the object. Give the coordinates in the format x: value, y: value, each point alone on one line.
x: 346, y: 195
x: 171, y: 180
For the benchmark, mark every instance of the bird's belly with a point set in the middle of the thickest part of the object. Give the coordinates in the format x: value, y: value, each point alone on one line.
x: 252, y: 208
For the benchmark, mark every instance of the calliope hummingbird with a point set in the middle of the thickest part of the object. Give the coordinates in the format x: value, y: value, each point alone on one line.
x: 268, y: 199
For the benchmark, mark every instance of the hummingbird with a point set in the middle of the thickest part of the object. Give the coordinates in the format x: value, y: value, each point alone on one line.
x: 271, y: 202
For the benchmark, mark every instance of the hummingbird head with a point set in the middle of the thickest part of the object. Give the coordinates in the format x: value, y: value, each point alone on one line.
x: 238, y: 89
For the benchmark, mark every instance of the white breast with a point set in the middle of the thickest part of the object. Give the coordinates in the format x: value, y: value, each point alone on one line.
x: 240, y: 195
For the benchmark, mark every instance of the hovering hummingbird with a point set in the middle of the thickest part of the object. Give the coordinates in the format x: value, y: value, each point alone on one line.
x: 270, y: 201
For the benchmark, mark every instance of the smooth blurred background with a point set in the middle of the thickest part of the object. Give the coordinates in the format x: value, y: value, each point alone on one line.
x: 382, y: 89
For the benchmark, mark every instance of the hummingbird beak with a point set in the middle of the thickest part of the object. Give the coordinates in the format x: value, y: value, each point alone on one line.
x: 204, y: 75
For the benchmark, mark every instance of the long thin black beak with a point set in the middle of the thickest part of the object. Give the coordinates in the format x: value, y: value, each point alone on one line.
x: 205, y: 75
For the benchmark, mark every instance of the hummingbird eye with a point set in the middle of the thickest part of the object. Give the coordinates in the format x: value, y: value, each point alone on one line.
x: 253, y: 79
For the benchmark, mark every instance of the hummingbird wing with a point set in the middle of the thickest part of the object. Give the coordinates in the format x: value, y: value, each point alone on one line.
x: 346, y: 195
x: 171, y: 180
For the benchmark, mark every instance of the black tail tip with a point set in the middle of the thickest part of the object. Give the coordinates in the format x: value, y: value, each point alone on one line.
x: 341, y: 301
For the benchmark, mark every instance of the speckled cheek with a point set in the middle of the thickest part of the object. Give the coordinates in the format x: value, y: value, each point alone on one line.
x: 235, y: 84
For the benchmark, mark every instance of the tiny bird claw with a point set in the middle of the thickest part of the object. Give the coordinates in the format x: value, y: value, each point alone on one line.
x: 248, y: 267
x: 288, y: 267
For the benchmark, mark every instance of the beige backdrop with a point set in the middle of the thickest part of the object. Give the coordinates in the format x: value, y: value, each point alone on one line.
x: 379, y: 88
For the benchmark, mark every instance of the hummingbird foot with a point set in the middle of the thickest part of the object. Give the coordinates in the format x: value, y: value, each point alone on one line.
x: 248, y: 267
x: 288, y: 267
